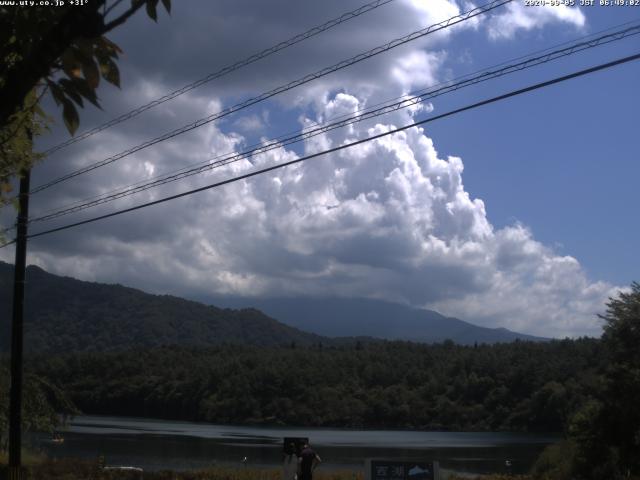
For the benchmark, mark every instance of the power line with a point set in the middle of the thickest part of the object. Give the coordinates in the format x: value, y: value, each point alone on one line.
x: 344, y: 146
x: 284, y: 88
x: 114, y: 194
x: 222, y: 72
x: 349, y: 119
x: 592, y: 39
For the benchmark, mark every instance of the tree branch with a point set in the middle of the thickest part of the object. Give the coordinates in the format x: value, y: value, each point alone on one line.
x: 114, y: 5
x: 123, y: 18
x: 25, y: 74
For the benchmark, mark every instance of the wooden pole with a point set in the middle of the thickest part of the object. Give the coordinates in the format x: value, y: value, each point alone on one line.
x: 15, y: 405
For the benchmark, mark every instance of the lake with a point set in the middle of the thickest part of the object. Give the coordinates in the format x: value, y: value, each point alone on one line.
x: 159, y: 444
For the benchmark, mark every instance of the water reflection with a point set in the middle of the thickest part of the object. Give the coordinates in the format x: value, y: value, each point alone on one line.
x: 156, y: 445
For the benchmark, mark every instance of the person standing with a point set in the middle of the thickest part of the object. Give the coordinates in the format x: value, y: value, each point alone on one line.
x: 307, y: 462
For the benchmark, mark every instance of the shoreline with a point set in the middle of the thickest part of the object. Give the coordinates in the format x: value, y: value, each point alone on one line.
x: 52, y: 469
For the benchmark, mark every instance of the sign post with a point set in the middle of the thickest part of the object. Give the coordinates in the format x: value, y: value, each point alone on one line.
x: 397, y: 469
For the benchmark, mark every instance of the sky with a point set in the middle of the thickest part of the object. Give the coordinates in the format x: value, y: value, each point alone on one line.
x: 518, y: 214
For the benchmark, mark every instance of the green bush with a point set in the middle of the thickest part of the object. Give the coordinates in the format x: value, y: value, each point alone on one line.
x: 555, y: 462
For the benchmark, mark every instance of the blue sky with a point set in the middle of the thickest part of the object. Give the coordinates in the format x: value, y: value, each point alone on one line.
x: 518, y: 214
x: 574, y: 182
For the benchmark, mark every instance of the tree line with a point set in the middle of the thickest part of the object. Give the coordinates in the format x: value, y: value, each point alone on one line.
x: 521, y: 386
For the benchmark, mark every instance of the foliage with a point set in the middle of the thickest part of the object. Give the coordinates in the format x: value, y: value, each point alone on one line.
x: 607, y: 428
x: 622, y: 329
x: 555, y: 462
x: 16, y: 152
x: 387, y: 384
x: 62, y: 51
x: 45, y: 407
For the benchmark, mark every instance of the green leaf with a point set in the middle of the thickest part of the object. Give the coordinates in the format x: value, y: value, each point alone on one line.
x: 56, y: 92
x: 115, y: 49
x: 167, y: 5
x: 91, y: 72
x: 151, y: 10
x: 83, y: 88
x: 70, y: 63
x: 70, y: 116
x: 71, y: 91
x: 84, y: 48
x: 110, y: 72
x: 107, y: 46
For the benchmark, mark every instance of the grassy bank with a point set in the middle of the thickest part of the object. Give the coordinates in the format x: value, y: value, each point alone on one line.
x: 29, y: 458
x: 71, y: 469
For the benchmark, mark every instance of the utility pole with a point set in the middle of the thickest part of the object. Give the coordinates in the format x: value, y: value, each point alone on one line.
x: 15, y: 402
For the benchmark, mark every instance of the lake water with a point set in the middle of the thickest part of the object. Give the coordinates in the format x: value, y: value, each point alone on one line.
x: 159, y: 444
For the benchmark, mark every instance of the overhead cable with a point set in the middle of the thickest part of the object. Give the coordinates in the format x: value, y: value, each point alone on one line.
x: 222, y: 72
x: 414, y: 99
x: 505, y: 96
x: 284, y: 88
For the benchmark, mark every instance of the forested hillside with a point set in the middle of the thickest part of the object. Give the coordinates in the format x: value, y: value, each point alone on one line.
x: 64, y: 314
x: 522, y: 386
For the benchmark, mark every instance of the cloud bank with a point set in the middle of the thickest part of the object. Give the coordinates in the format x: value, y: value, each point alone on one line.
x: 389, y: 219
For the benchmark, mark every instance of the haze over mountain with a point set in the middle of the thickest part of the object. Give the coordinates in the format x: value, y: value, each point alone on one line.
x: 65, y: 314
x: 350, y: 317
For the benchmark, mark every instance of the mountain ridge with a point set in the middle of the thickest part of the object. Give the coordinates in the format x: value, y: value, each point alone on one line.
x: 337, y: 317
x: 66, y: 314
x: 74, y: 315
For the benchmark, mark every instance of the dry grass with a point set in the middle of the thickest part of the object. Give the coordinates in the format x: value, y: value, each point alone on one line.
x: 28, y: 458
x: 492, y: 477
x: 40, y: 468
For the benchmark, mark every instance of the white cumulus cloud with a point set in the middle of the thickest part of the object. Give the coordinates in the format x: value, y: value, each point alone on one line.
x: 518, y: 16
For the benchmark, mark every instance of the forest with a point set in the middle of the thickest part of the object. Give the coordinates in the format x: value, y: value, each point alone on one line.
x: 521, y: 386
